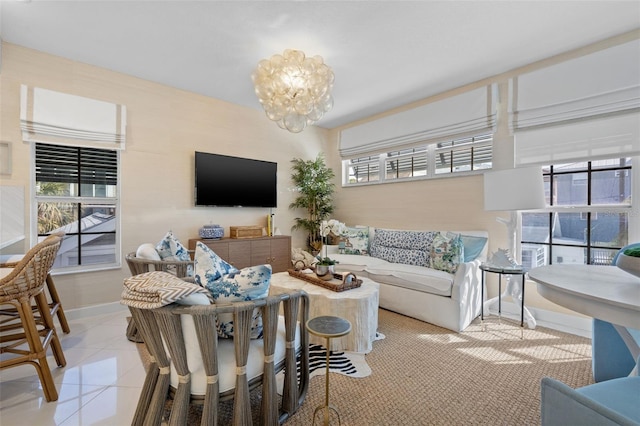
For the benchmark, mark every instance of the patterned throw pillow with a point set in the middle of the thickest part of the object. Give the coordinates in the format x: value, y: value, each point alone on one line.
x: 227, y: 284
x: 247, y: 284
x: 357, y: 240
x: 170, y: 248
x: 398, y: 246
x: 447, y: 253
x: 209, y: 266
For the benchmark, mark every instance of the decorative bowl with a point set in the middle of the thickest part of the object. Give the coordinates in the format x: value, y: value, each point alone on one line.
x: 211, y: 232
x: 630, y: 264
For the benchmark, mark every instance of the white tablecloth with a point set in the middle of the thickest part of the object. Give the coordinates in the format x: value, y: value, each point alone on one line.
x: 359, y: 306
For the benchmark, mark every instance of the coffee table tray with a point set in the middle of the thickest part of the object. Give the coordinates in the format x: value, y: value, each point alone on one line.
x: 336, y: 284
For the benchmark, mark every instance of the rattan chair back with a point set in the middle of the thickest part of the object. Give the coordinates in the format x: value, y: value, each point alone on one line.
x: 139, y: 265
x: 22, y: 288
x: 163, y: 332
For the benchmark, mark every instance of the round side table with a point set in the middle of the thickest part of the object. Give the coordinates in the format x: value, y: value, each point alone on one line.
x: 328, y: 327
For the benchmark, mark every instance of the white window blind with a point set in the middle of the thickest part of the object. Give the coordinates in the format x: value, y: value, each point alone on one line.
x: 582, y: 109
x: 472, y: 112
x: 47, y: 116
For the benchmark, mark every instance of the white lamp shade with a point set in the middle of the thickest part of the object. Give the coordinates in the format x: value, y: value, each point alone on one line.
x: 514, y: 189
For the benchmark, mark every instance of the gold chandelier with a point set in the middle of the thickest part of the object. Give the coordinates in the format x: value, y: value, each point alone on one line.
x: 294, y: 90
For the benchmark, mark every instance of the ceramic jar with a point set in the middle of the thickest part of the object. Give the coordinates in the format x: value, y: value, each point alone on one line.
x: 211, y: 232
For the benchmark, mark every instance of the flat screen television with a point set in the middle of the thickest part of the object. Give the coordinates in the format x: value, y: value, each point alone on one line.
x: 226, y: 181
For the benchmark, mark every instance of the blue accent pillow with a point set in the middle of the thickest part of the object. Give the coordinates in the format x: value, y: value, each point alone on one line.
x: 170, y: 248
x: 244, y: 285
x: 473, y: 246
x: 209, y: 266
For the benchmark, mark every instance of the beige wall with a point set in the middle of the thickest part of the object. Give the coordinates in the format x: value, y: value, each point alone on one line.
x: 165, y: 126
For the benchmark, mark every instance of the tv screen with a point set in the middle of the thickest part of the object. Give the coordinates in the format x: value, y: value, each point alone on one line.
x: 226, y: 181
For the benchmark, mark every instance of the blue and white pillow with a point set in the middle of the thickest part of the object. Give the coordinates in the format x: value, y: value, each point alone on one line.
x: 447, y: 252
x: 246, y: 284
x: 228, y: 284
x: 169, y: 248
x: 209, y: 266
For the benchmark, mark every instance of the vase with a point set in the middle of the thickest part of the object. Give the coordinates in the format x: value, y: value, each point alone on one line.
x: 325, y: 272
x: 630, y: 264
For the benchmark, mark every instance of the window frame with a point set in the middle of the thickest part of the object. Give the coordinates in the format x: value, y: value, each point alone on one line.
x: 587, y: 212
x: 431, y: 150
x: 80, y: 200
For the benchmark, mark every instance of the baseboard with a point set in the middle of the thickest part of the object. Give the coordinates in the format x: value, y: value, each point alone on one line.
x: 572, y: 324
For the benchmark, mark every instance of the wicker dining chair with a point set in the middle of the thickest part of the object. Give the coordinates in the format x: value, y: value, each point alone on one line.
x: 200, y: 368
x: 23, y: 288
x: 55, y: 304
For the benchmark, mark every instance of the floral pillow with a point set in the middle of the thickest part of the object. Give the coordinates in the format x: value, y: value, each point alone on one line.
x: 356, y: 240
x: 447, y: 252
x: 228, y: 284
x: 209, y: 266
x: 170, y: 248
x: 246, y: 284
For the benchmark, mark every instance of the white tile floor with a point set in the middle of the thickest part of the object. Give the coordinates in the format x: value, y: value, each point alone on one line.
x: 100, y: 384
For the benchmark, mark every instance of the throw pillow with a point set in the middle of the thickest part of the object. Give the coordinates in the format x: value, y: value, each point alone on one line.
x: 147, y: 251
x: 170, y: 248
x: 447, y: 253
x: 473, y: 245
x: 357, y: 240
x: 247, y: 284
x: 209, y: 266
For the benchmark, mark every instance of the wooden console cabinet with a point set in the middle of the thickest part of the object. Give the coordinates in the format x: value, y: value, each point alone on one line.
x: 241, y: 253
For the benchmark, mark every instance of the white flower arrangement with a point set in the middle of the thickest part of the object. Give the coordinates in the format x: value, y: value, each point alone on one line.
x: 332, y: 226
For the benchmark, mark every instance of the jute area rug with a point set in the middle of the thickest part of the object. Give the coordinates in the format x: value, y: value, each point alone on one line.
x: 426, y: 375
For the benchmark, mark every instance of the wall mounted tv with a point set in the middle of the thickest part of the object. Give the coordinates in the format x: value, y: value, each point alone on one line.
x: 225, y: 181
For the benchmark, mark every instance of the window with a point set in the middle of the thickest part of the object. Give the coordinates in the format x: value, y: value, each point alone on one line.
x: 76, y: 192
x: 434, y: 160
x: 585, y: 223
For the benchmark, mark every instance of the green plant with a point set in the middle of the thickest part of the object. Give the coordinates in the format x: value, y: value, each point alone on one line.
x: 327, y: 261
x: 314, y: 183
x: 633, y: 252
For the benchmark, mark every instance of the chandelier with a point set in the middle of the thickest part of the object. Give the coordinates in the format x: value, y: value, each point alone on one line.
x: 294, y: 90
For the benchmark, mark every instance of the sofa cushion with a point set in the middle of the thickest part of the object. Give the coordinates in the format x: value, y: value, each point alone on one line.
x: 355, y: 263
x: 414, y: 277
x: 447, y: 252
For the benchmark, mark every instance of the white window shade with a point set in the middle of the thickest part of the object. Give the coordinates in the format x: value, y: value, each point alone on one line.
x: 472, y: 112
x: 583, y: 108
x: 47, y: 116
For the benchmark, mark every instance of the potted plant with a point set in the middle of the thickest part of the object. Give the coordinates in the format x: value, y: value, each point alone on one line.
x: 629, y: 261
x: 325, y: 268
x: 314, y: 183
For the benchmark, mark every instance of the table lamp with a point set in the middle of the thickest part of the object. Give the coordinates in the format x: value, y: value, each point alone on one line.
x: 512, y: 190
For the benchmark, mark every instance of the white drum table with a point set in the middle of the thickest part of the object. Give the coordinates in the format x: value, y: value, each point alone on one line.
x: 359, y: 306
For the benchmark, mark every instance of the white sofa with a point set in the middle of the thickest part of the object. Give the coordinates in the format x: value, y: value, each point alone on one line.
x: 449, y: 300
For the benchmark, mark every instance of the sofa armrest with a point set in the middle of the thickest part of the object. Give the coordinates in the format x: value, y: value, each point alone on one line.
x: 466, y: 282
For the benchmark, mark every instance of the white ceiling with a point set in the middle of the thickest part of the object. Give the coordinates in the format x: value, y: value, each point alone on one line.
x: 384, y: 53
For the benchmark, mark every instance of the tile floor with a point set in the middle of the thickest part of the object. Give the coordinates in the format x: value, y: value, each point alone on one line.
x: 100, y: 384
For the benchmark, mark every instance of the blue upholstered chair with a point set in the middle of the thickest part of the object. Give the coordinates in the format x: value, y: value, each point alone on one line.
x: 613, y: 402
x: 611, y: 356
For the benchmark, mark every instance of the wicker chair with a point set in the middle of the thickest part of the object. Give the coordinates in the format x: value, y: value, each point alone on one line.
x: 139, y: 265
x: 23, y: 287
x: 199, y: 367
